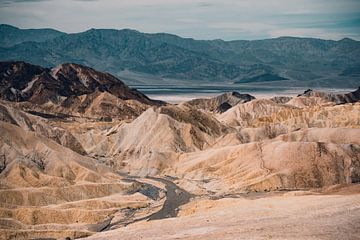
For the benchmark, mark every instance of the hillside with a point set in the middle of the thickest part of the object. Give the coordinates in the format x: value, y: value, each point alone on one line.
x: 136, y: 56
x: 83, y: 155
x: 70, y: 90
x: 10, y: 35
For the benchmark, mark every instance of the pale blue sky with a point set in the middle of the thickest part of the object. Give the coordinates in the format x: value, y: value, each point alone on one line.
x: 200, y: 19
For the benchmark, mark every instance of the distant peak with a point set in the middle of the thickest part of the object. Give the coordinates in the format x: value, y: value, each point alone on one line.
x: 74, y: 66
x: 7, y: 26
x: 347, y: 40
x: 111, y: 30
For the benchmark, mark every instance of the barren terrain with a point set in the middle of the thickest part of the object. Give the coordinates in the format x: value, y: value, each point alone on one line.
x: 101, y: 160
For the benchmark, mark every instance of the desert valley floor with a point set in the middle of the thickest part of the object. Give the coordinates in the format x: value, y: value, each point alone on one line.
x: 84, y: 156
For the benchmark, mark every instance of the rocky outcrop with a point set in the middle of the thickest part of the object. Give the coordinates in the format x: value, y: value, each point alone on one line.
x: 47, y: 190
x: 153, y: 141
x: 271, y: 165
x: 261, y: 113
x: 245, y: 115
x: 72, y: 89
x: 281, y: 99
x: 80, y: 80
x: 42, y: 126
x: 221, y: 103
x: 332, y: 97
x: 25, y: 82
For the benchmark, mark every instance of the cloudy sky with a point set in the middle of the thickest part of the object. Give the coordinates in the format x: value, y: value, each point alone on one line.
x: 200, y: 19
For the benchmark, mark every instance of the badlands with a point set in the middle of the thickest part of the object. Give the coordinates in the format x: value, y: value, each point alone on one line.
x: 84, y: 156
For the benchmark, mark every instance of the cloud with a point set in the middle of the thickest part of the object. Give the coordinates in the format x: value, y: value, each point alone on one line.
x: 15, y: 3
x: 20, y: 1
x: 188, y: 20
x: 205, y: 4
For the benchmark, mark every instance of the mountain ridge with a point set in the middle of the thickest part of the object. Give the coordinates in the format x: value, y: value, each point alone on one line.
x: 35, y: 35
x: 68, y: 90
x: 299, y: 61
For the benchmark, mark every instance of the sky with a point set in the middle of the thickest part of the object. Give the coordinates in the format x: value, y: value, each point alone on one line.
x: 199, y: 19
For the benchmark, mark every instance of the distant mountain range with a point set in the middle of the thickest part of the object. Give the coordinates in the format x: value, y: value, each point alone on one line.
x: 142, y: 58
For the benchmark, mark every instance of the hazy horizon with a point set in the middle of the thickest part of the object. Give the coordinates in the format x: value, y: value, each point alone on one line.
x: 170, y: 33
x: 201, y: 19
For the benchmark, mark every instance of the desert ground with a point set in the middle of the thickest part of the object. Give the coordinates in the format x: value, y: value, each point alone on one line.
x: 96, y: 159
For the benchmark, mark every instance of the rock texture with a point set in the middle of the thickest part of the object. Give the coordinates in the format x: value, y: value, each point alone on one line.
x: 155, y: 139
x: 71, y: 88
x: 30, y: 122
x: 307, y: 215
x: 221, y: 103
x: 268, y: 166
x: 47, y: 190
x: 336, y: 98
x: 81, y: 153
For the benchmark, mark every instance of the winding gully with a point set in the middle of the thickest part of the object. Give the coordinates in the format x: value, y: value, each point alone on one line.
x: 174, y: 198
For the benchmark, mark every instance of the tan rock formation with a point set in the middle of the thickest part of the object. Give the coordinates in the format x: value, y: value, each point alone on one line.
x: 48, y: 190
x: 80, y: 152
